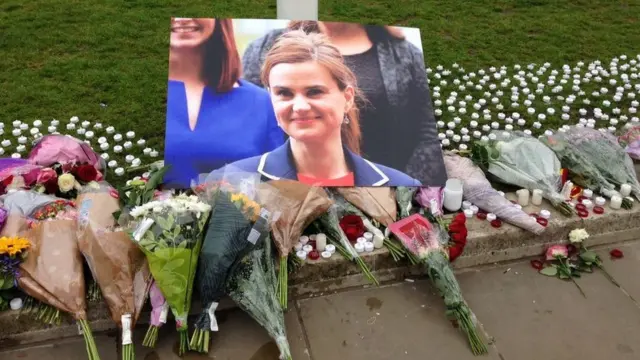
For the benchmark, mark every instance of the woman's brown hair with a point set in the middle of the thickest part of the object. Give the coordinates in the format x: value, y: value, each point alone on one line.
x: 297, y: 46
x: 221, y: 63
x: 376, y: 32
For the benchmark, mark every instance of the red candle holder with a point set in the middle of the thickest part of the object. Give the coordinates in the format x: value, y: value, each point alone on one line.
x: 583, y: 213
x: 542, y: 221
x: 482, y: 215
x: 582, y: 197
x: 581, y: 207
x: 535, y: 215
x: 598, y: 210
x: 496, y: 223
x: 313, y: 255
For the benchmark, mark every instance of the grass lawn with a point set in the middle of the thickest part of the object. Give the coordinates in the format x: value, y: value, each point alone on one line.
x: 63, y: 58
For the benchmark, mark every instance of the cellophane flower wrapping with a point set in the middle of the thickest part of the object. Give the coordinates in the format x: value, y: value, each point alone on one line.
x: 116, y: 263
x: 378, y: 203
x: 517, y: 159
x: 170, y: 234
x: 53, y: 271
x: 56, y: 148
x: 630, y: 140
x: 478, y: 190
x: 294, y: 206
x: 235, y: 224
x: 419, y: 237
x: 595, y: 159
x: 252, y: 285
x: 431, y: 198
x: 18, y: 175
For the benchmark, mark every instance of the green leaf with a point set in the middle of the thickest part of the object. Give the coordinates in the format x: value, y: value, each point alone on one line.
x: 6, y: 282
x: 563, y: 276
x: 549, y: 271
x: 156, y: 178
x: 589, y: 256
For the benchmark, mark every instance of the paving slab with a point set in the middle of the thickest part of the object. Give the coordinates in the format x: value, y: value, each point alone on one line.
x: 533, y: 317
x: 239, y: 338
x: 71, y: 348
x: 626, y: 270
x: 403, y: 321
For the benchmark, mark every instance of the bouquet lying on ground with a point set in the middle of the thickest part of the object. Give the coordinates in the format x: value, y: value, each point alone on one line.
x: 117, y: 264
x: 13, y: 250
x: 631, y: 142
x: 170, y: 233
x: 294, y: 205
x: 419, y: 237
x: 53, y: 270
x: 234, y: 225
x: 478, y: 190
x: 595, y: 160
x: 252, y: 285
x: 516, y: 159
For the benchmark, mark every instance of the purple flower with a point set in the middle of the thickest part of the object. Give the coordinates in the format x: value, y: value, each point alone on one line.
x: 3, y: 216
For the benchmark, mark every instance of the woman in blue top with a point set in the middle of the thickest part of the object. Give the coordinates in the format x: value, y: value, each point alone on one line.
x: 213, y: 117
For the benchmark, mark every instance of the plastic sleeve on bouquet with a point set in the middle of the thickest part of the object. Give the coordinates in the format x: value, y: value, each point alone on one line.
x: 478, y: 190
x: 378, y: 203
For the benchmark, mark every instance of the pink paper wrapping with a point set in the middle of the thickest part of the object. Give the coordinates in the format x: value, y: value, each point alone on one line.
x: 54, y: 148
x: 477, y: 189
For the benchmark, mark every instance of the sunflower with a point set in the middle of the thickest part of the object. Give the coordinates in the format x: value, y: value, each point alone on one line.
x: 13, y: 245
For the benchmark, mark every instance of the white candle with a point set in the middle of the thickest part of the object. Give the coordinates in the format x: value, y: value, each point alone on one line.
x: 22, y: 140
x: 368, y: 247
x: 104, y: 146
x: 55, y: 122
x: 536, y: 197
x: 468, y: 213
x: 378, y: 240
x: 117, y: 137
x: 302, y: 255
x: 321, y: 242
x: 331, y: 248
x: 307, y: 248
x: 625, y: 189
x: 127, y: 145
x: 16, y: 123
x: 368, y: 236
x: 105, y: 156
x: 74, y: 119
x: 117, y: 149
x: 600, y: 201
x: 24, y: 127
x: 616, y: 202
x: 129, y: 158
x: 361, y: 240
x: 359, y: 247
x: 34, y: 131
x: 587, y: 203
x: 119, y: 171
x: 326, y: 254
x: 21, y: 148
x: 141, y: 142
x: 154, y: 153
x: 110, y: 130
x: 6, y: 143
x: 304, y: 239
x: 16, y: 132
x: 15, y: 304
x: 453, y: 195
x: 81, y: 131
x: 491, y: 216
x: 97, y: 126
x: 71, y: 126
x: 85, y: 124
x: 16, y: 156
x: 466, y: 204
x: 131, y: 134
x: 146, y: 151
x: 1, y: 151
x: 545, y: 214
x: 51, y: 128
x: 523, y: 197
x: 113, y: 163
x: 136, y: 162
x: 587, y: 193
x: 474, y: 209
x: 298, y: 246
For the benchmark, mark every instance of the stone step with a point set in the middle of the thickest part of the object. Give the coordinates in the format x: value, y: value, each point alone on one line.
x: 485, y: 245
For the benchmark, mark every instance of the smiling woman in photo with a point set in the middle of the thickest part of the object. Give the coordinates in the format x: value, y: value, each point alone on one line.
x: 213, y: 117
x: 314, y: 97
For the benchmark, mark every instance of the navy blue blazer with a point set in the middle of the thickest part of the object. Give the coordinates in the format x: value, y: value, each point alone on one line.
x: 278, y: 164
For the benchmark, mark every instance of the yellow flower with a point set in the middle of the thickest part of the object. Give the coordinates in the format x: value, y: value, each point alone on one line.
x: 13, y: 245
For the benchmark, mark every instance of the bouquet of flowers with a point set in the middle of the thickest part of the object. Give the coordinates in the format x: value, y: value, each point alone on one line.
x: 631, y: 142
x: 119, y: 267
x: 235, y: 224
x: 595, y: 160
x: 516, y: 159
x: 169, y: 232
x: 13, y: 250
x: 252, y: 285
x: 478, y: 190
x: 294, y: 205
x: 418, y: 236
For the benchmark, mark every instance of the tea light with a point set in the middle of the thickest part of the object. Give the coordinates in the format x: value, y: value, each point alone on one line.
x: 588, y: 193
x: 71, y: 126
x: 304, y: 239
x: 146, y: 151
x: 55, y: 122
x: 368, y: 247
x: 129, y: 158
x: 16, y: 132
x: 21, y: 148
x: 51, y: 129
x: 117, y: 137
x: 136, y: 162
x: 321, y: 242
x: 330, y: 248
x: 545, y: 214
x: 1, y: 151
x: 600, y: 201
x: 491, y: 217
x: 359, y: 247
x: 468, y: 213
x: 74, y: 119
x: 536, y: 197
x: 5, y: 143
x: 378, y: 240
x: 97, y: 126
x: 307, y: 248
x: 298, y: 246
x: 105, y: 156
x: 119, y: 171
x: 81, y: 131
x: 153, y: 153
x: 302, y: 255
x: 625, y: 189
x: 368, y: 236
x: 16, y: 156
x: 102, y: 140
x: 523, y: 197
x: 466, y: 204
x: 587, y: 203
x: 131, y: 134
x: 111, y: 130
x: 141, y: 142
x: 117, y: 149
x: 24, y: 127
x: 361, y: 240
x: 16, y: 123
x: 474, y: 209
x: 15, y: 304
x: 22, y: 140
x: 85, y: 124
x: 127, y: 145
x: 112, y: 163
x: 326, y: 254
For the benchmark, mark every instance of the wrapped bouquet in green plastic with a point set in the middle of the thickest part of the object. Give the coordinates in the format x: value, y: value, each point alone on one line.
x: 170, y: 233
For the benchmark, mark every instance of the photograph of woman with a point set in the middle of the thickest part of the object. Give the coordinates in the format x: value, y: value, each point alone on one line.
x: 213, y: 116
x: 397, y: 118
x: 314, y: 95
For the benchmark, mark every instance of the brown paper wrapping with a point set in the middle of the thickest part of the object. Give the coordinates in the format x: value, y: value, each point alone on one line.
x: 53, y: 267
x: 117, y: 264
x: 14, y: 225
x: 298, y: 206
x: 377, y: 202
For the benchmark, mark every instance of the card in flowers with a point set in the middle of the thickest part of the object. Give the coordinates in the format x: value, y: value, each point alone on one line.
x: 170, y: 233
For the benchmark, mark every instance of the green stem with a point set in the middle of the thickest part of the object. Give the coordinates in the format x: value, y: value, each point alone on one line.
x: 183, y: 342
x: 150, y: 337
x: 283, y: 282
x: 567, y: 270
x: 92, y: 348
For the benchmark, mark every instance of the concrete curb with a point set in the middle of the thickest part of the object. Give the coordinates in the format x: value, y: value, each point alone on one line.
x: 486, y: 245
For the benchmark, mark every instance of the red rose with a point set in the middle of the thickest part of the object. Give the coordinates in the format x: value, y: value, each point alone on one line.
x: 459, y: 219
x: 459, y: 238
x: 46, y: 175
x: 455, y: 252
x: 537, y: 264
x: 352, y: 226
x: 86, y: 173
x: 616, y: 254
x: 31, y: 177
x: 4, y: 183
